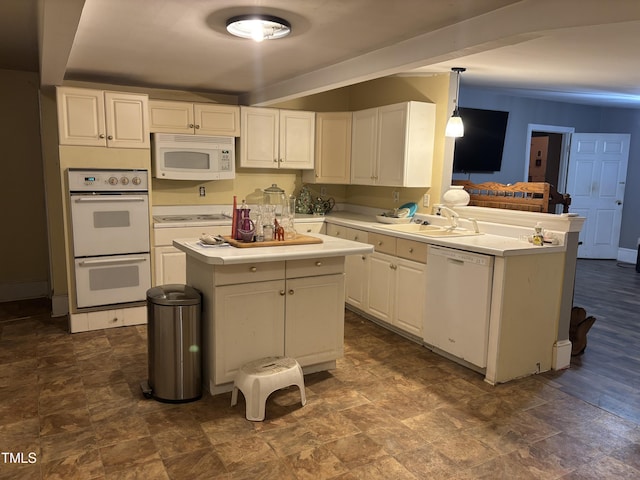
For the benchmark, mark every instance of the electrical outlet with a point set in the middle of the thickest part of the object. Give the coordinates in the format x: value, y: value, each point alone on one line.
x: 396, y: 196
x: 203, y: 192
x: 323, y: 191
x: 425, y: 200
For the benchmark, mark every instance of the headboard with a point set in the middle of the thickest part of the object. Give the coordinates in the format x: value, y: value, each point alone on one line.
x: 528, y: 196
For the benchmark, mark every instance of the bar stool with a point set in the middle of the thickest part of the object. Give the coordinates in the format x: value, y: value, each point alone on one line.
x: 260, y: 378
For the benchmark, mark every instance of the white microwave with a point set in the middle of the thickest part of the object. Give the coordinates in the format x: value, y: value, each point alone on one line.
x: 193, y: 157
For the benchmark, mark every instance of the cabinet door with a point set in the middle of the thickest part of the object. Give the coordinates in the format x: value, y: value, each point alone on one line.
x: 392, y: 131
x: 333, y: 149
x: 356, y: 289
x: 212, y: 119
x: 81, y: 118
x: 127, y: 118
x: 314, y: 329
x: 297, y: 139
x: 260, y: 137
x: 249, y: 324
x: 170, y: 265
x: 410, y: 296
x: 364, y: 147
x: 171, y: 117
x: 381, y: 286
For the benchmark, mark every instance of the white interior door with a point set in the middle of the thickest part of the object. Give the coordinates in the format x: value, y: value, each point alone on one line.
x: 595, y: 180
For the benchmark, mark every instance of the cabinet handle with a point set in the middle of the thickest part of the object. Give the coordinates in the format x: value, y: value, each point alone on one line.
x: 101, y: 135
x: 291, y: 292
x: 411, y: 250
x: 393, y: 267
x: 282, y: 292
x: 110, y: 137
x: 253, y: 269
x: 275, y: 160
x: 355, y: 238
x: 197, y: 127
x: 363, y: 257
x: 318, y: 263
x: 308, y: 230
x: 380, y: 243
x: 114, y: 320
x: 191, y: 125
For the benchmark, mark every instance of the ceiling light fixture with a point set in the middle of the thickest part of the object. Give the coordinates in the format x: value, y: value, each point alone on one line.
x: 258, y: 27
x: 455, y: 127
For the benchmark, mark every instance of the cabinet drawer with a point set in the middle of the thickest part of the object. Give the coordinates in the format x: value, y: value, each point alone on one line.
x: 165, y: 236
x: 314, y: 266
x: 411, y: 250
x: 309, y: 227
x: 382, y: 243
x: 357, y: 235
x: 248, y: 273
x: 336, y: 230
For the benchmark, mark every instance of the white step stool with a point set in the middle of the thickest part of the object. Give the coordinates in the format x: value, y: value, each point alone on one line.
x: 259, y: 379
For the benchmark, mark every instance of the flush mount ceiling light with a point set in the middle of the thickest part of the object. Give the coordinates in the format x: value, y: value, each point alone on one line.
x: 258, y: 27
x: 455, y: 127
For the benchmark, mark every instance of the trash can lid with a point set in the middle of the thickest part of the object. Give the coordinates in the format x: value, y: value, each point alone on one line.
x: 173, y: 294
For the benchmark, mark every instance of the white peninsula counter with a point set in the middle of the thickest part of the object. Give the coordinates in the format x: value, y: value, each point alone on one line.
x: 264, y: 301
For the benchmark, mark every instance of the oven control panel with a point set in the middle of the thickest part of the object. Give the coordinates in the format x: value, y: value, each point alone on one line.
x: 101, y: 180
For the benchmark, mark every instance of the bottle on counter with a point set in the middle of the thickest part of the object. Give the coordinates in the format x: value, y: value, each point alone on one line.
x: 538, y: 235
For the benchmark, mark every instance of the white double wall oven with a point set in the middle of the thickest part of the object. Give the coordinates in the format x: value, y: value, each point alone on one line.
x: 110, y: 231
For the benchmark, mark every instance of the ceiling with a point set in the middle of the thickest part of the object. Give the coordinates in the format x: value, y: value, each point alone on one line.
x: 581, y: 51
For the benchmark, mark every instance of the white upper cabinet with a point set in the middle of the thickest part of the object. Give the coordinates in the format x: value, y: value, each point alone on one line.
x: 333, y: 149
x: 102, y: 119
x: 273, y: 138
x: 194, y: 118
x: 393, y: 145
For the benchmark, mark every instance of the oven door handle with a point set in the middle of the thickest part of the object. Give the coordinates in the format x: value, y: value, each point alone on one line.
x: 110, y: 198
x: 112, y: 261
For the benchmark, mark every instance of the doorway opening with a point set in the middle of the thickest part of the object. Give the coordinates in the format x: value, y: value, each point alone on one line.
x: 547, y: 154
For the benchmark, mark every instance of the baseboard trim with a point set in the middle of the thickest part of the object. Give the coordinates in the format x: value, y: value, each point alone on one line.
x: 561, y: 355
x: 59, y: 305
x: 627, y: 255
x: 10, y: 292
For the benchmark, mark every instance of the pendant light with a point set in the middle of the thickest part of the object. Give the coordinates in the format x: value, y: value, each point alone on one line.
x: 455, y: 127
x: 258, y: 27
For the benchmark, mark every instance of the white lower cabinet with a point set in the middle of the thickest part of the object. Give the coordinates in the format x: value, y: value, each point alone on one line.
x: 249, y: 321
x: 396, y: 292
x: 293, y: 308
x: 409, y: 307
x: 356, y: 267
x: 314, y: 319
x: 169, y: 262
x: 388, y: 284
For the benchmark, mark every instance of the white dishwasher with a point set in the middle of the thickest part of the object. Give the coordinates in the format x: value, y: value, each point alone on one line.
x: 458, y: 303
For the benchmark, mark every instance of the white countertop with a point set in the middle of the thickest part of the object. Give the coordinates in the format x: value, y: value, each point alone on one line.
x: 228, y: 255
x: 487, y: 243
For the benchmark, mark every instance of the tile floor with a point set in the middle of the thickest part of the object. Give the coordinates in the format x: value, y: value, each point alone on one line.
x: 71, y: 408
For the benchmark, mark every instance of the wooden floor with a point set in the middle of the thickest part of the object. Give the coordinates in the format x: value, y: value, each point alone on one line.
x: 608, y: 373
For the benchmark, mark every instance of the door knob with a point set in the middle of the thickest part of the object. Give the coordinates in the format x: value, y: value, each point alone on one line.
x: 618, y: 202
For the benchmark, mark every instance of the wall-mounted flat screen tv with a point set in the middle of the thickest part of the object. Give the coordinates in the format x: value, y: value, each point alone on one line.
x: 480, y: 150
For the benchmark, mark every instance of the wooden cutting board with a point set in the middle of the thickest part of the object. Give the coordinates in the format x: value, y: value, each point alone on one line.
x: 299, y: 240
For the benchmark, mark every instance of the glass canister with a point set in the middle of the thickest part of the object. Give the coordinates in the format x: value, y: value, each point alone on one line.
x: 275, y: 196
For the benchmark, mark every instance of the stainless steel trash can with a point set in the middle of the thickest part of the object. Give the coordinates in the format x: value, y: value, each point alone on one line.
x: 174, y: 343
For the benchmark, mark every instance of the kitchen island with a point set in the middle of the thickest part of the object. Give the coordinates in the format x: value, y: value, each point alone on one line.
x: 265, y: 301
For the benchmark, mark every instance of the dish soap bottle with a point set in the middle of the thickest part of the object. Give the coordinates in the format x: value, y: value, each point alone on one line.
x: 538, y: 236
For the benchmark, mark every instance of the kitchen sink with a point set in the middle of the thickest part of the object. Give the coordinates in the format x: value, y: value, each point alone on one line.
x: 430, y: 230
